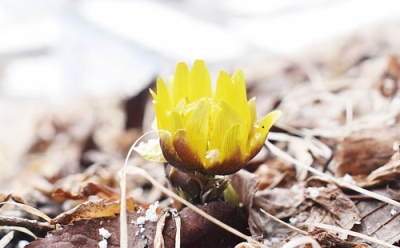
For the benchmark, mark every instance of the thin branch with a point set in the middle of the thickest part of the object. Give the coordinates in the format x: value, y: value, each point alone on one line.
x: 32, y: 225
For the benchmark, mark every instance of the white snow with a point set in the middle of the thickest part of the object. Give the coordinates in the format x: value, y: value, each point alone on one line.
x: 314, y: 192
x: 104, y: 232
x: 348, y: 179
x: 103, y: 243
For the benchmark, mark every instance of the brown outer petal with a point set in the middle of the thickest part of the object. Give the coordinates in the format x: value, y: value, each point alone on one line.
x: 190, y: 160
x: 253, y: 152
x: 228, y: 166
x: 180, y: 155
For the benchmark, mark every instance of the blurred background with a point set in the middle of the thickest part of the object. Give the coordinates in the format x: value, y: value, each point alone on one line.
x: 63, y: 48
x: 53, y: 53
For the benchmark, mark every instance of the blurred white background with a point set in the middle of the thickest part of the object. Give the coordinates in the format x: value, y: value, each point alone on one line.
x: 56, y: 49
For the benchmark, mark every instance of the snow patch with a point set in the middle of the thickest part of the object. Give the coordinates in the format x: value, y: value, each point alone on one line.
x: 314, y: 192
x: 103, y: 243
x: 348, y: 179
x: 105, y: 234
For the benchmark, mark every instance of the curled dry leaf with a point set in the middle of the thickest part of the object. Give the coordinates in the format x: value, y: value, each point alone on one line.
x: 387, y: 174
x: 362, y: 152
x: 4, y: 198
x: 245, y: 185
x: 91, y: 210
x: 87, y: 189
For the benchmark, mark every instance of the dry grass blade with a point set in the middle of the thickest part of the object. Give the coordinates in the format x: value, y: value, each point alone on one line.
x: 177, y: 219
x: 159, y: 239
x: 355, y: 234
x: 123, y: 214
x: 282, y: 154
x: 20, y: 229
x: 122, y: 184
x: 30, y: 210
x: 6, y: 239
x: 284, y: 223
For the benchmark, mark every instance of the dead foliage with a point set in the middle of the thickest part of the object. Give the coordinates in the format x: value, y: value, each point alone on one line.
x: 341, y: 104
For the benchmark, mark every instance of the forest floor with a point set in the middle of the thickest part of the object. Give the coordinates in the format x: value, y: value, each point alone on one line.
x: 331, y: 164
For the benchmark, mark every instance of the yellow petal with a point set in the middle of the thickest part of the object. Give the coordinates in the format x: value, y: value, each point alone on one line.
x: 196, y: 117
x: 224, y: 87
x: 268, y: 121
x: 180, y: 106
x: 234, y: 143
x: 161, y: 115
x: 239, y: 85
x: 200, y: 82
x: 233, y: 91
x: 162, y: 103
x: 258, y: 136
x: 173, y: 122
x: 239, y: 95
x: 224, y: 119
x: 253, y: 109
x: 163, y: 94
x: 181, y: 82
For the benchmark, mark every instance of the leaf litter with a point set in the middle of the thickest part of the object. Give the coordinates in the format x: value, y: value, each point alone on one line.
x: 328, y: 177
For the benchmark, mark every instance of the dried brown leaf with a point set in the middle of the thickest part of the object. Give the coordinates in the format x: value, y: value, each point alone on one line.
x: 380, y: 220
x: 87, y: 189
x: 85, y: 233
x: 363, y: 152
x: 91, y: 210
x: 4, y: 198
x: 388, y: 173
x: 245, y: 185
x: 333, y: 200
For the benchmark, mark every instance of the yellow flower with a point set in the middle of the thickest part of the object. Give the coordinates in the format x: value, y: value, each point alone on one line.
x: 201, y: 130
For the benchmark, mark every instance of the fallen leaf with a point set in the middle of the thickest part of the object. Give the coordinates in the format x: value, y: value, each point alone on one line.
x: 90, y: 210
x: 362, y: 152
x: 333, y: 200
x: 85, y: 233
x: 87, y: 189
x: 379, y: 220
